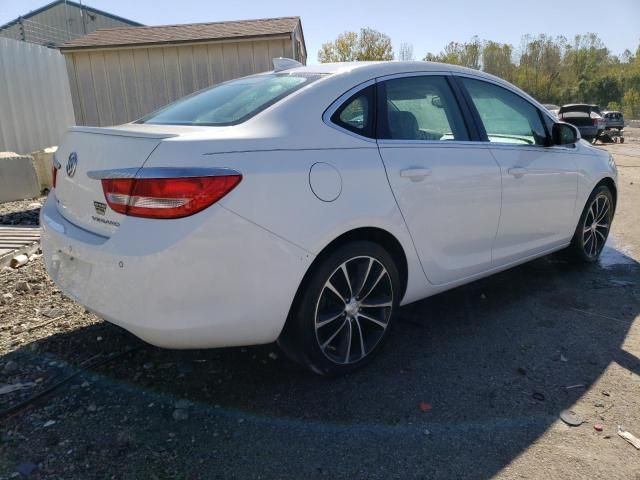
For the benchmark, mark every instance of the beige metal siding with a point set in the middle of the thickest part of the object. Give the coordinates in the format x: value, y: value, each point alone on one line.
x: 59, y: 24
x: 113, y: 86
x: 35, y: 102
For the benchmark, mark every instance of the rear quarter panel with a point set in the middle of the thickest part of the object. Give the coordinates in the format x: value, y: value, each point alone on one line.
x: 275, y: 192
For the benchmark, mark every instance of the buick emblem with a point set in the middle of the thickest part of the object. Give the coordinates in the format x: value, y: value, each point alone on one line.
x: 72, y: 163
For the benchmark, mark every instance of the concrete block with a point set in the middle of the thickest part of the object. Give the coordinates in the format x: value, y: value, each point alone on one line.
x: 42, y: 162
x: 18, y: 177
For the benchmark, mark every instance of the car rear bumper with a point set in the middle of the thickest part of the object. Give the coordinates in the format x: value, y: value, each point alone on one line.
x: 588, y: 131
x: 210, y: 280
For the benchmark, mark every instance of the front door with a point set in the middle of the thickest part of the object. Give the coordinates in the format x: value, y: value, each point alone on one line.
x: 447, y: 187
x: 539, y: 181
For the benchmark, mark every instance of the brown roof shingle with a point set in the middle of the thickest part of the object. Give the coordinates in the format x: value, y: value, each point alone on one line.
x: 190, y: 32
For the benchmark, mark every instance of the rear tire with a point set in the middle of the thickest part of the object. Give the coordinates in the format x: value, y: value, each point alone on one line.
x: 594, y: 226
x: 344, y: 309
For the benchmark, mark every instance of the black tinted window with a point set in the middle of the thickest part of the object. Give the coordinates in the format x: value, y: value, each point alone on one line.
x: 231, y: 102
x: 420, y: 108
x: 356, y: 114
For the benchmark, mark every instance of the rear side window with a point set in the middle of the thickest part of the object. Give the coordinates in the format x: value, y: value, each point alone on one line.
x: 231, y: 102
x: 419, y: 108
x: 507, y: 117
x: 356, y: 114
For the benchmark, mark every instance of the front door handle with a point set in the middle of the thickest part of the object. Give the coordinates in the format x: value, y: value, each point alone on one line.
x: 517, y: 171
x: 415, y: 172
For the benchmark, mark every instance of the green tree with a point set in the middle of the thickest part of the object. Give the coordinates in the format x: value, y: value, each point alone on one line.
x: 369, y: 44
x: 496, y: 59
x: 631, y: 103
x: 466, y: 54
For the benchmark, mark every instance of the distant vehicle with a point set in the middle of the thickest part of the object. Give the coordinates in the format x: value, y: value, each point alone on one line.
x: 553, y: 109
x: 306, y: 204
x: 614, y: 120
x: 584, y: 116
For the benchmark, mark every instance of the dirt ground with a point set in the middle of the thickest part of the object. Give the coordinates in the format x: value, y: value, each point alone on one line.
x: 470, y: 385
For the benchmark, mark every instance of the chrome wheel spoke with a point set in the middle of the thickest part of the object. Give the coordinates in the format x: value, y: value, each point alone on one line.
x: 375, y: 284
x: 334, y: 335
x: 365, y: 277
x: 377, y: 322
x: 333, y: 289
x: 349, y: 338
x: 322, y: 323
x: 602, y: 214
x: 376, y: 305
x: 343, y: 312
x: 598, y: 232
x: 362, y: 351
x: 346, y: 277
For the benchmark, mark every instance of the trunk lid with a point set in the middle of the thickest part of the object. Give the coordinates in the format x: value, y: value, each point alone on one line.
x: 80, y: 199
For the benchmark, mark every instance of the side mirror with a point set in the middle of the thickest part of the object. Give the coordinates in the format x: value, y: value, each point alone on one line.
x: 564, y: 134
x: 436, y: 101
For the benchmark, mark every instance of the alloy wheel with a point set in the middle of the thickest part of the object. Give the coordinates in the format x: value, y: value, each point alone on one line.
x: 596, y: 226
x: 353, y: 310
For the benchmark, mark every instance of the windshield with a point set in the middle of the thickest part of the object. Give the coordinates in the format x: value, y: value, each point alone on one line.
x: 231, y: 102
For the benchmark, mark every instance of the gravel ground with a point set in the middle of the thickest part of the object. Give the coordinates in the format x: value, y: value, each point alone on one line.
x: 22, y: 212
x: 470, y: 385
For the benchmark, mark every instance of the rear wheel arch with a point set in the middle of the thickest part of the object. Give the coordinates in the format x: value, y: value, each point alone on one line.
x: 373, y: 234
x: 376, y: 235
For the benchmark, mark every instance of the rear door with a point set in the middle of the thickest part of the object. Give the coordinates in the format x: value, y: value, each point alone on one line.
x: 539, y: 181
x: 447, y: 186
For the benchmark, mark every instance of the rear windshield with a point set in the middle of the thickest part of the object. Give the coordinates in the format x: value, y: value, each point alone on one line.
x: 231, y: 102
x: 575, y: 108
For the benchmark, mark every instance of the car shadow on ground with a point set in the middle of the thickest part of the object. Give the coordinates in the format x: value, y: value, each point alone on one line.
x: 468, y: 380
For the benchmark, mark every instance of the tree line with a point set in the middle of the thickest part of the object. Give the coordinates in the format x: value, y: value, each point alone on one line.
x: 551, y: 69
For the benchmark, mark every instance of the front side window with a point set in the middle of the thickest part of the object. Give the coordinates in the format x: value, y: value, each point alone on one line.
x: 507, y: 117
x: 420, y: 108
x: 231, y: 102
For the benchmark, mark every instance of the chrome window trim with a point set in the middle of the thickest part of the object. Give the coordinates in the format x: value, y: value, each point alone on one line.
x: 390, y: 142
x: 161, y: 172
x: 328, y: 113
x: 430, y: 73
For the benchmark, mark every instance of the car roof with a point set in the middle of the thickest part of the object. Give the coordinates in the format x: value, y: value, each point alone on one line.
x: 376, y: 69
x: 364, y: 71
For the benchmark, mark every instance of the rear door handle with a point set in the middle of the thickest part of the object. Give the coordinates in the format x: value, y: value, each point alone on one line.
x: 415, y: 172
x: 517, y: 171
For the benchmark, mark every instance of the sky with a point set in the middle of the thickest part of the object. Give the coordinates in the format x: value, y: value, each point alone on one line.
x: 426, y: 24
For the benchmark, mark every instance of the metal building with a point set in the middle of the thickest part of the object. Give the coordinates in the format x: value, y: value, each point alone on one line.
x: 59, y: 22
x: 121, y: 74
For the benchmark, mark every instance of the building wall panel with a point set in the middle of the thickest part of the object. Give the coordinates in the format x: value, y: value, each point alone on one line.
x: 34, y: 95
x: 136, y: 81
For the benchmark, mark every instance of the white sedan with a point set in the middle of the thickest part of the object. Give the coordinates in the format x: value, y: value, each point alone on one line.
x: 306, y: 204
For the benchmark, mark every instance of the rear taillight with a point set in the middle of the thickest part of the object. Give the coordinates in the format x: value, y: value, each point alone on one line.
x: 166, y: 197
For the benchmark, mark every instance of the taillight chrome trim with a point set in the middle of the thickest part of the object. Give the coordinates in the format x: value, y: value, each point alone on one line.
x: 161, y: 172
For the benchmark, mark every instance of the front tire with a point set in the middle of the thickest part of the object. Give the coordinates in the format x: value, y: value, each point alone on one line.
x: 344, y: 309
x: 593, y: 228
